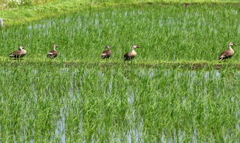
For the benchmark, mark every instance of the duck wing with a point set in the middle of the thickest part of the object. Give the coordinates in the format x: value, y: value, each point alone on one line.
x: 106, y: 54
x: 226, y: 54
x: 16, y: 54
x: 52, y: 54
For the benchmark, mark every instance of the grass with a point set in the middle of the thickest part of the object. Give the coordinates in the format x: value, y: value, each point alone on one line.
x: 15, y: 13
x: 173, y: 91
x: 172, y: 33
x: 105, y: 104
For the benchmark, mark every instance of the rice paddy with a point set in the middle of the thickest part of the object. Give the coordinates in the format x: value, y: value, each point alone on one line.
x: 198, y: 32
x: 174, y: 90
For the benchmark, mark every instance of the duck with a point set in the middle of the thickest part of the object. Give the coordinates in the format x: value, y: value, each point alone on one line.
x: 227, y: 53
x: 131, y: 55
x: 106, y: 53
x: 53, y: 54
x: 19, y: 53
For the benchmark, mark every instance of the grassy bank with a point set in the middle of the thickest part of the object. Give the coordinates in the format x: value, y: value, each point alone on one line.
x: 31, y: 10
x: 183, y: 65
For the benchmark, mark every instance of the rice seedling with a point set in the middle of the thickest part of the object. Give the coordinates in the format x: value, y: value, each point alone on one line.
x: 118, y: 105
x: 78, y: 97
x: 164, y: 32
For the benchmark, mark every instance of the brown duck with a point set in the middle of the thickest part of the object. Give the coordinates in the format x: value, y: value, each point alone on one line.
x: 19, y: 53
x: 227, y: 53
x: 53, y: 54
x: 130, y: 55
x: 106, y: 53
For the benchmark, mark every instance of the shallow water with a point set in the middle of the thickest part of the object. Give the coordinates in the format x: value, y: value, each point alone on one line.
x: 135, y: 130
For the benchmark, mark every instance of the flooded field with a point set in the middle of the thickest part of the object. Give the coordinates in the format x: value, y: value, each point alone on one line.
x: 100, y: 104
x: 174, y: 90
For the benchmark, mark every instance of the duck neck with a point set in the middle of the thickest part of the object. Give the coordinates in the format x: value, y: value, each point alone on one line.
x: 230, y: 47
x: 133, y: 51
